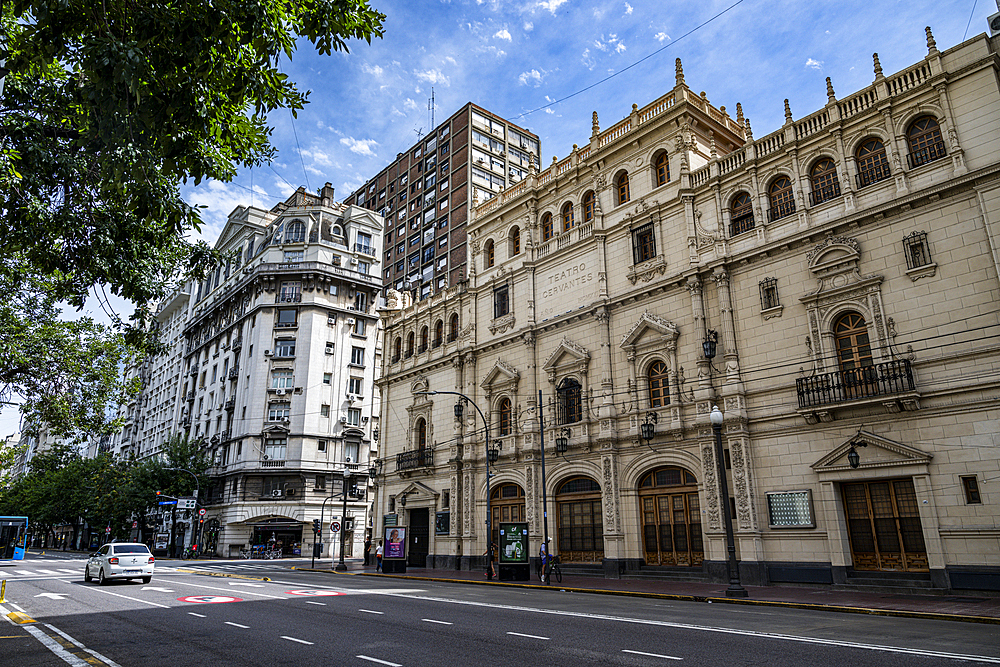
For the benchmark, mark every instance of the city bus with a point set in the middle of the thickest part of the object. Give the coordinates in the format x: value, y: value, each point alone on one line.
x: 13, y: 537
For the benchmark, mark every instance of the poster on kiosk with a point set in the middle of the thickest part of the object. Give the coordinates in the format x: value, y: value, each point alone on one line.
x: 394, y: 552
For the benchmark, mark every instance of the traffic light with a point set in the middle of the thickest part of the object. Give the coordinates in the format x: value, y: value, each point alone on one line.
x: 317, y: 528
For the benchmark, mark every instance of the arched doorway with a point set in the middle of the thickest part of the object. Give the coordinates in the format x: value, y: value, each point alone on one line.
x: 579, y: 520
x: 671, y: 518
x: 506, y: 504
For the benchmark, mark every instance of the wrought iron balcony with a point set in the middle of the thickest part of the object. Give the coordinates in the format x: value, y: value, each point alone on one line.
x: 231, y: 404
x: 874, y: 174
x: 419, y: 458
x: 881, y: 380
x: 234, y: 372
x: 926, y: 154
x: 237, y: 345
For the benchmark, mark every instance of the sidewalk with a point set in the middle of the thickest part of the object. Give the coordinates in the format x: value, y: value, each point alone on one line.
x: 966, y: 608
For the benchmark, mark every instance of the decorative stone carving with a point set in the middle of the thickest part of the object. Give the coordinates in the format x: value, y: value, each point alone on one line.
x: 502, y: 324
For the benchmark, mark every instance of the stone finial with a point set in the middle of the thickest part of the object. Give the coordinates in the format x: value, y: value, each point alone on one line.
x: 931, y: 44
x: 746, y: 122
x: 554, y: 159
x: 575, y: 148
x: 788, y: 112
x: 679, y: 72
x: 595, y: 126
x: 739, y: 113
x: 878, y: 67
x: 711, y: 142
x: 830, y: 95
x: 722, y: 110
x: 531, y: 164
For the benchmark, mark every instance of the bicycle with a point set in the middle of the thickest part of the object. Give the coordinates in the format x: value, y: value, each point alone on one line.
x: 552, y: 570
x: 189, y: 552
x: 245, y: 554
x: 272, y: 554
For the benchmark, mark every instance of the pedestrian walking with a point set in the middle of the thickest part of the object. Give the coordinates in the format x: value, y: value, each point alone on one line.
x: 543, y: 557
x: 378, y: 557
x: 490, y: 554
x: 368, y: 547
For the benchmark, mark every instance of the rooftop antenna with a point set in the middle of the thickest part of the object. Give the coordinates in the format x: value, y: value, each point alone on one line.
x: 420, y: 133
x: 430, y: 107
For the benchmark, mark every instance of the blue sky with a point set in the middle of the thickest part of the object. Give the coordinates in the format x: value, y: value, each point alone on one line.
x: 514, y: 57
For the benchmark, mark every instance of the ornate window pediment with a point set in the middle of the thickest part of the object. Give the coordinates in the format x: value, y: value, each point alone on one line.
x: 876, y: 453
x: 568, y: 357
x: 501, y: 376
x: 651, y: 328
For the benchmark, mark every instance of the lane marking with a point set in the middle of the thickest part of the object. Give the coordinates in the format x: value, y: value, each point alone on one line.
x: 245, y: 583
x: 520, y: 634
x: 381, y: 662
x: 53, y: 596
x: 431, y: 620
x: 226, y: 590
x: 119, y: 595
x: 321, y: 604
x: 314, y: 592
x: 209, y: 599
x: 157, y: 588
x: 652, y: 655
x: 106, y: 660
x: 237, y: 625
x: 369, y: 611
x: 198, y: 615
x: 301, y: 641
x: 707, y: 628
x: 53, y: 645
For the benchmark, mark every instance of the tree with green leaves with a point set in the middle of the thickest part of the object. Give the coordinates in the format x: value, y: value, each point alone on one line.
x: 106, y: 108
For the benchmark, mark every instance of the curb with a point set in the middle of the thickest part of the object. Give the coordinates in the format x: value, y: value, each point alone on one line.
x: 899, y: 613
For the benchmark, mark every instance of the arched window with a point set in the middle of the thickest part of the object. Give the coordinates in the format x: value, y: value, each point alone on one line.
x: 423, y: 339
x: 515, y: 241
x: 873, y: 166
x: 420, y: 434
x: 546, y: 226
x: 397, y: 348
x: 659, y: 388
x: 671, y: 518
x: 588, y: 206
x: 925, y: 142
x: 780, y: 198
x: 621, y: 188
x: 567, y: 217
x: 296, y: 232
x: 488, y: 255
x: 854, y: 352
x: 661, y: 169
x: 409, y: 344
x: 506, y: 504
x: 742, y: 214
x: 825, y: 185
x: 453, y: 328
x: 569, y: 395
x: 579, y: 521
x: 503, y: 410
x: 438, y: 333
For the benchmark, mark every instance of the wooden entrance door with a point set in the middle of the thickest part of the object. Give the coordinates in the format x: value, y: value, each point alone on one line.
x: 579, y: 522
x: 671, y: 518
x: 418, y: 537
x: 883, y: 523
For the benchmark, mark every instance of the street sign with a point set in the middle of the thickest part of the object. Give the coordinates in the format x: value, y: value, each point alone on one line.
x: 201, y: 512
x: 335, y: 526
x: 168, y: 502
x: 135, y: 524
x: 107, y: 531
x: 186, y: 503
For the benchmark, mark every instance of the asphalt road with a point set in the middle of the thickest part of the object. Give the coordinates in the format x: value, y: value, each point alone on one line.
x: 304, y: 618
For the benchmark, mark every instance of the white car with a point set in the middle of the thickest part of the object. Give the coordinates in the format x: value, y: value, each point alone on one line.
x: 129, y: 560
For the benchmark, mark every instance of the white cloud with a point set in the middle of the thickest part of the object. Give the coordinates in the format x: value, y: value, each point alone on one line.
x: 432, y: 76
x: 360, y: 146
x: 410, y: 105
x: 532, y: 76
x: 549, y: 110
x: 660, y: 36
x: 374, y: 70
x: 502, y: 34
x: 611, y: 42
x: 551, y: 5
x: 528, y: 25
x: 814, y: 64
x: 587, y: 59
x: 628, y: 9
x: 620, y: 47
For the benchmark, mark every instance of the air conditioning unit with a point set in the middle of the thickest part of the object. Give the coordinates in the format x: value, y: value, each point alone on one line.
x: 286, y: 420
x: 277, y: 493
x: 343, y: 419
x: 280, y: 392
x: 351, y: 321
x: 268, y: 353
x: 351, y: 398
x: 331, y: 320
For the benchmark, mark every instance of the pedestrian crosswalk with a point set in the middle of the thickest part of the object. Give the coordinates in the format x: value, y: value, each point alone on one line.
x: 62, y: 567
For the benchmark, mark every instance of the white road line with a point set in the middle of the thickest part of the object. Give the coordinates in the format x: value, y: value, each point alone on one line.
x: 369, y: 611
x: 431, y: 620
x: 381, y: 662
x: 519, y: 634
x: 237, y: 625
x: 106, y: 660
x: 198, y: 615
x: 652, y: 655
x: 227, y: 590
x: 321, y: 604
x: 293, y: 639
x: 117, y: 595
x: 53, y: 645
x: 708, y: 628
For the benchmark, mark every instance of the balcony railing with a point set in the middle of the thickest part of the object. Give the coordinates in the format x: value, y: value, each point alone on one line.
x: 288, y: 298
x: 364, y: 249
x: 879, y: 172
x: 190, y: 396
x: 825, y: 193
x: 885, y: 379
x: 419, y: 458
x: 234, y: 372
x: 230, y: 404
x: 926, y: 154
x: 237, y: 345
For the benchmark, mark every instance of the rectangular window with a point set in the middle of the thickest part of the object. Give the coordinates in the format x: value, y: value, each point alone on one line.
x: 327, y: 378
x: 321, y: 446
x: 643, y: 243
x: 274, y: 449
x: 284, y: 348
x: 278, y: 411
x: 282, y: 379
x: 971, y: 486
x: 364, y: 268
x: 501, y: 302
x: 215, y: 373
x: 285, y: 318
x: 354, y: 386
x: 291, y: 292
x: 429, y: 254
x: 917, y: 252
x: 294, y: 256
x: 769, y: 293
x: 359, y: 327
x: 324, y: 411
x: 354, y: 417
x: 357, y: 356
x: 351, y: 451
x: 321, y: 479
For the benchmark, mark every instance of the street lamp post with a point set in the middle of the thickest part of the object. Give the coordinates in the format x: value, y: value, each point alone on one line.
x: 491, y: 456
x: 735, y: 590
x: 341, y: 566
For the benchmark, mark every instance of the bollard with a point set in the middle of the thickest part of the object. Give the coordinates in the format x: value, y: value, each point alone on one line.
x: 3, y: 590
